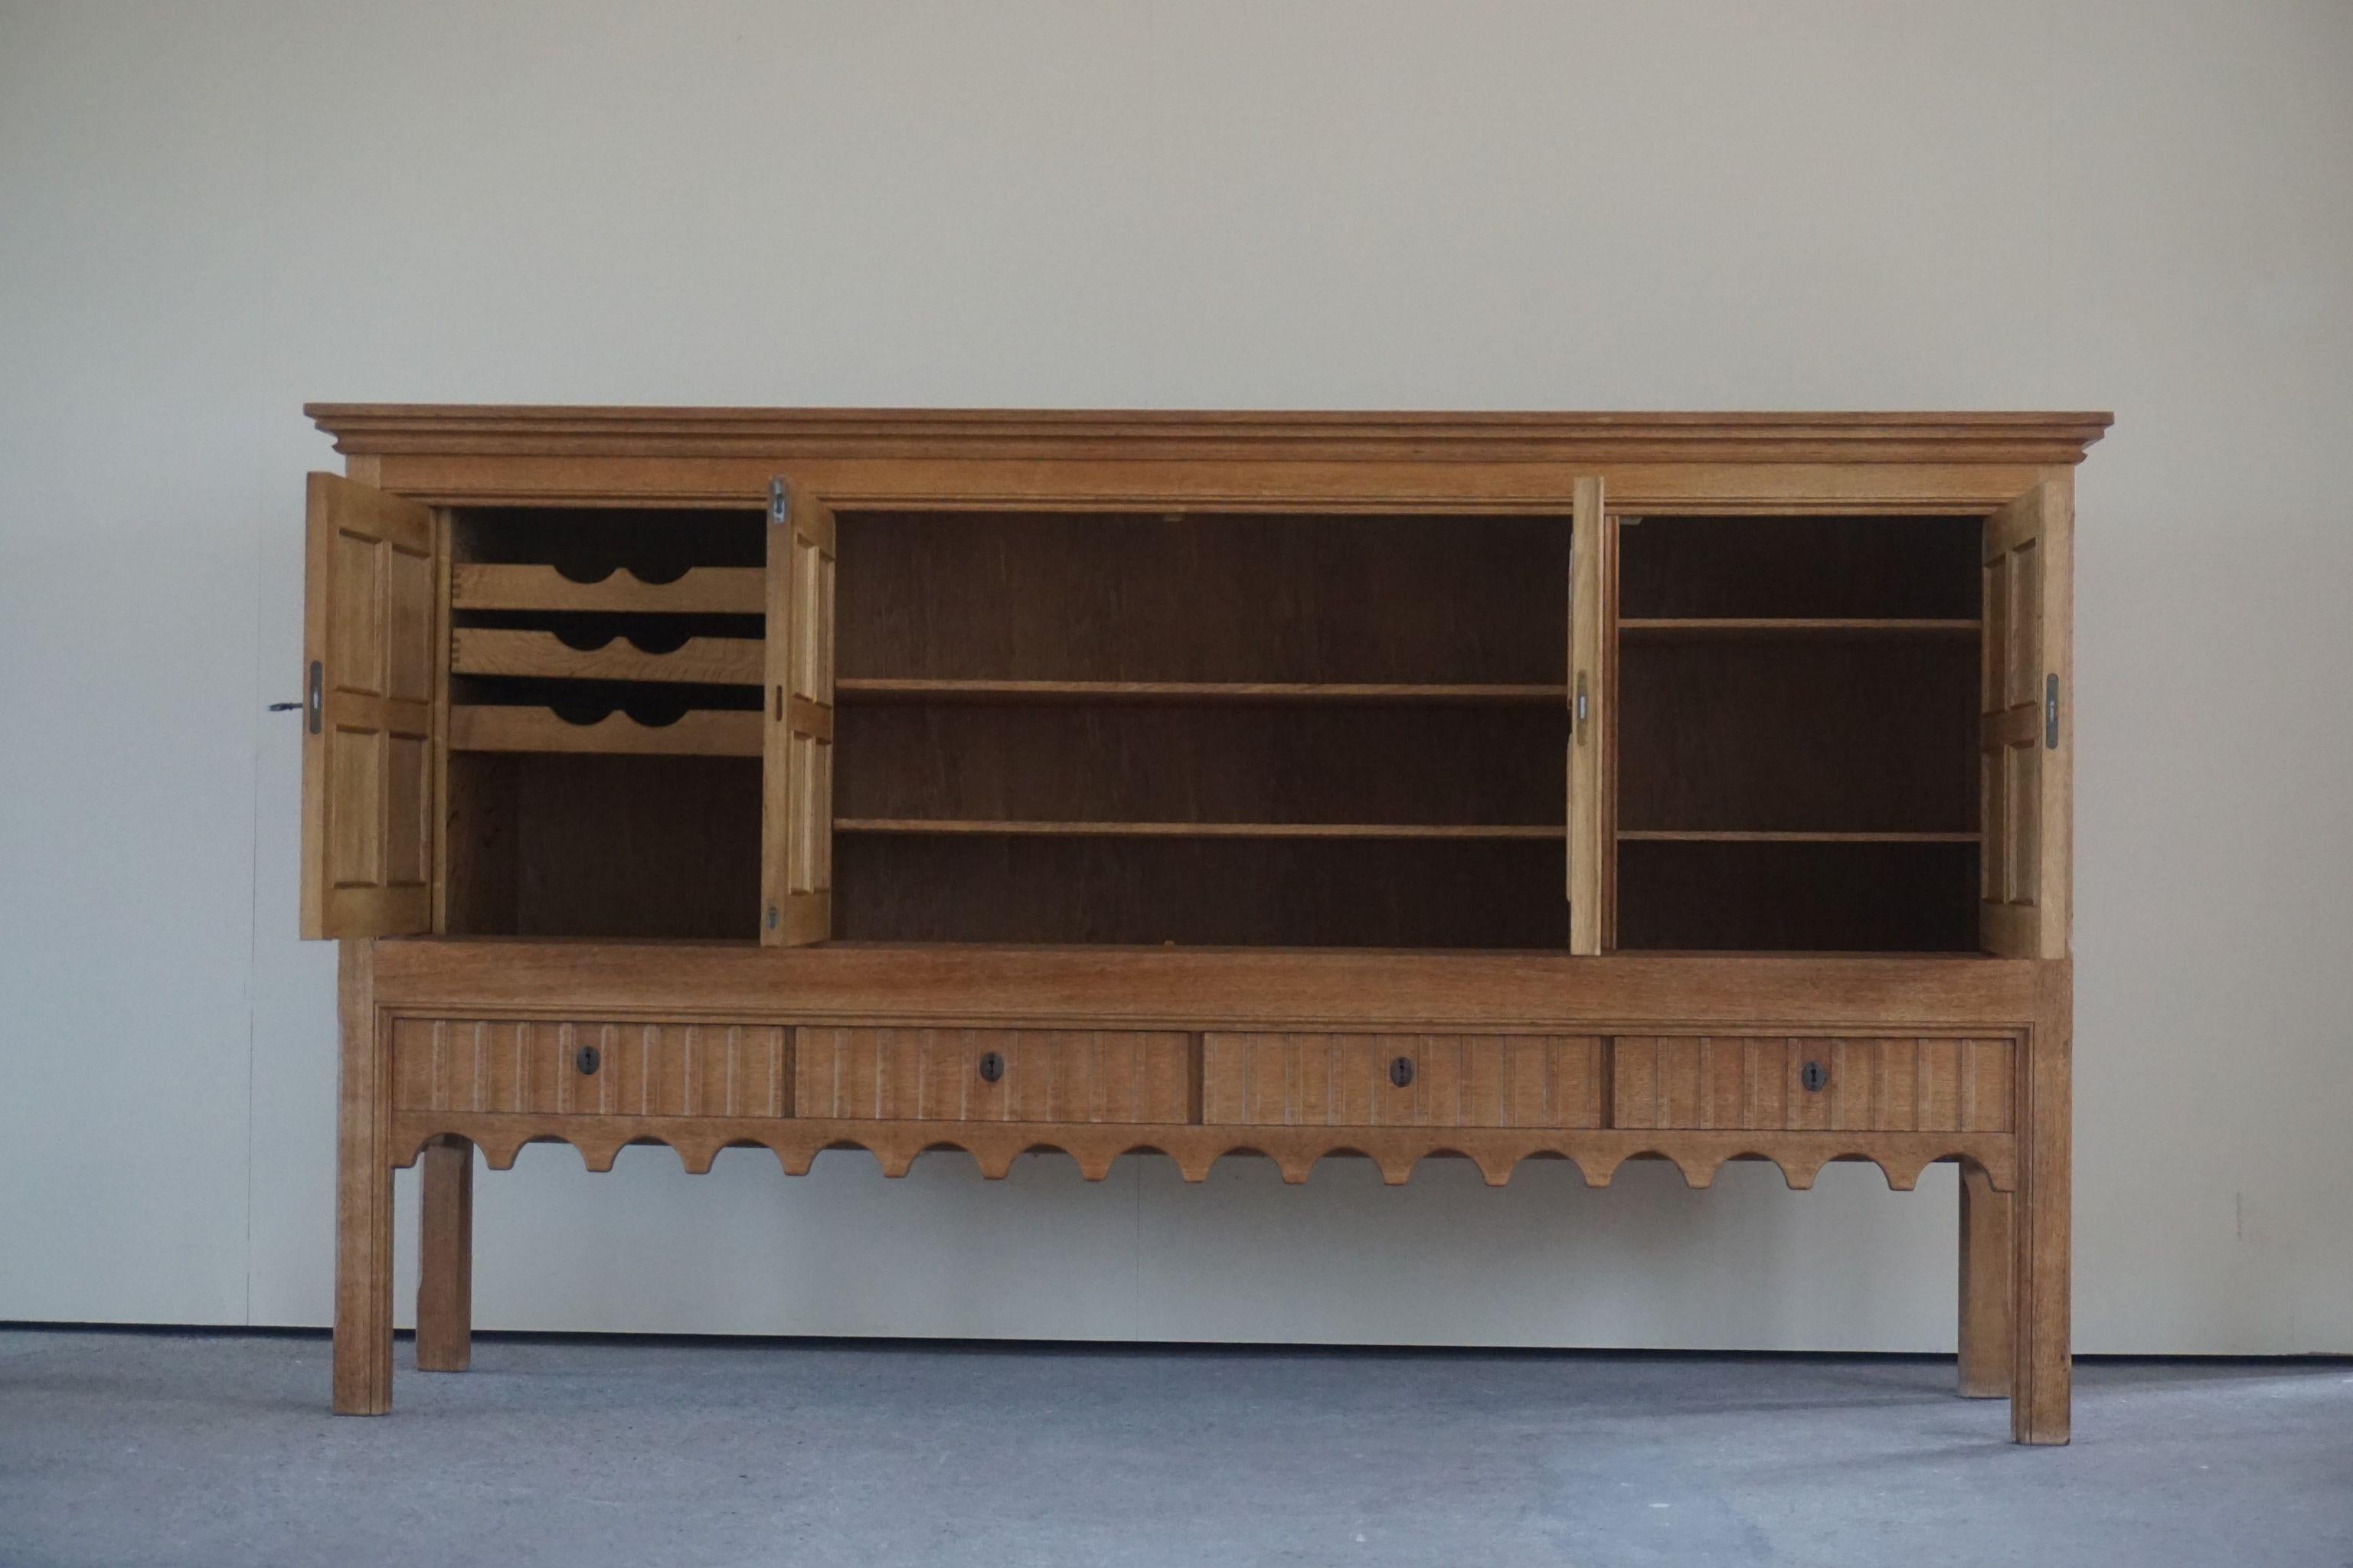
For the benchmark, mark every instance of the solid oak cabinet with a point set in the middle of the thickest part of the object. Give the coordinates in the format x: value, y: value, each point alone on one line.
x: 1494, y: 786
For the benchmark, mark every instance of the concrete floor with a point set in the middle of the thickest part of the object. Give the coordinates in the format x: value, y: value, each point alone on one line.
x: 124, y: 1448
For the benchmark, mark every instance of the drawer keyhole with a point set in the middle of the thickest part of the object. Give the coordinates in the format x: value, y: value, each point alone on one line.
x: 1815, y: 1077
x: 992, y: 1066
x: 1401, y: 1071
x: 585, y: 1059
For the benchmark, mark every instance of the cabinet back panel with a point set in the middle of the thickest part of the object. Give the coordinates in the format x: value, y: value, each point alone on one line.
x: 1385, y: 765
x: 604, y: 845
x: 1798, y: 733
x: 1062, y: 596
x: 1804, y: 897
x: 1212, y: 893
x: 589, y: 543
x: 1808, y: 566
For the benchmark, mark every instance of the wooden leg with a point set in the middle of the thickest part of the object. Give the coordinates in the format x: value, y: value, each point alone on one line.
x: 445, y: 1278
x: 363, y: 1196
x: 2042, y: 1371
x: 1985, y: 1287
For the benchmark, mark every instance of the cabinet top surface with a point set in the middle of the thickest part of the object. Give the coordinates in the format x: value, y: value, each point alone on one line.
x: 1118, y: 435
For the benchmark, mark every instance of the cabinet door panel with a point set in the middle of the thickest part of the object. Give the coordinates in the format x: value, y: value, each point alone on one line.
x: 2026, y: 726
x: 1591, y: 847
x: 367, y: 754
x: 797, y: 830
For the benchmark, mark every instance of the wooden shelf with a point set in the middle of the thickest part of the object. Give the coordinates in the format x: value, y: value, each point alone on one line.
x: 1680, y: 836
x: 703, y: 661
x: 703, y: 733
x: 881, y: 689
x: 1795, y: 626
x: 703, y: 591
x: 947, y: 826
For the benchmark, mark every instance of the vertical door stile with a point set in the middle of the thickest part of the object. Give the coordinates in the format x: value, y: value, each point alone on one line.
x: 1588, y: 740
x: 796, y: 831
x: 2025, y: 726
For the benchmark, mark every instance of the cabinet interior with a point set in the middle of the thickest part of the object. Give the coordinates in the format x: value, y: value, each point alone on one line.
x: 1224, y: 729
x: 1200, y: 728
x: 1797, y: 721
x: 604, y: 771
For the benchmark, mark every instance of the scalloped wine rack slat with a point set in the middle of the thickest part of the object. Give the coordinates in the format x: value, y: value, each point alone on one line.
x: 703, y: 733
x: 702, y: 661
x: 702, y: 591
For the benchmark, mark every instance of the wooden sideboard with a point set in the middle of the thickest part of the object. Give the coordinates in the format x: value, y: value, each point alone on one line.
x: 1600, y: 787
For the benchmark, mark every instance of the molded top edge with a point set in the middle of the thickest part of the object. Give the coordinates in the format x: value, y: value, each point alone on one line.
x: 1418, y: 436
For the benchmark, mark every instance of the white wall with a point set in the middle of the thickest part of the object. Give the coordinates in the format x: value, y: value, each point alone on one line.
x: 210, y: 213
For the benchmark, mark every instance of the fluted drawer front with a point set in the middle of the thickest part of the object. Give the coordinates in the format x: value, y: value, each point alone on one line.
x: 589, y: 1067
x: 995, y: 1075
x: 1763, y: 1084
x: 1353, y: 1080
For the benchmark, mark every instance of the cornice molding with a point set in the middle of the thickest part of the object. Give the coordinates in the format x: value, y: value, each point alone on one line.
x: 1067, y: 435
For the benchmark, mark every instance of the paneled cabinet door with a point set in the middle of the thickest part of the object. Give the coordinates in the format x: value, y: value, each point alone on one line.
x: 1592, y: 572
x: 2026, y: 725
x: 796, y: 834
x: 367, y: 753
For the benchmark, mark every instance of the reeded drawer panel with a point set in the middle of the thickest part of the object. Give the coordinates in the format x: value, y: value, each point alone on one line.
x: 1761, y: 1084
x: 590, y: 1068
x: 994, y: 1075
x: 1448, y: 1080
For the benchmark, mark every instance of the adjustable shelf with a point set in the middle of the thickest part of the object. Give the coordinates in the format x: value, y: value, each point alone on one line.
x: 1680, y: 836
x: 702, y: 590
x: 703, y: 733
x: 701, y: 661
x: 995, y: 829
x: 1796, y: 626
x: 882, y: 689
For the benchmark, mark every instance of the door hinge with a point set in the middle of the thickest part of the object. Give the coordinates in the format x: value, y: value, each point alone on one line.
x: 314, y: 700
x: 1584, y: 706
x: 2049, y: 713
x: 779, y: 503
x: 772, y: 916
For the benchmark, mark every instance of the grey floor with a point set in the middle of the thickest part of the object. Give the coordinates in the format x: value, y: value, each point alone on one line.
x: 122, y: 1448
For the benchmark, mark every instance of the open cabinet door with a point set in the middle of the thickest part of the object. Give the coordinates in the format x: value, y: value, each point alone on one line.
x: 2024, y: 739
x: 1592, y: 569
x: 368, y: 713
x: 797, y: 832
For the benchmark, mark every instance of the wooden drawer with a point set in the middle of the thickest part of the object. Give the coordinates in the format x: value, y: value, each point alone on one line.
x: 1759, y: 1084
x: 1041, y: 1075
x: 635, y: 1069
x: 1451, y: 1080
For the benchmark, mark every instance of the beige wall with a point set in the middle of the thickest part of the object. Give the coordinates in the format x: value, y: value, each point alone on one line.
x: 209, y: 214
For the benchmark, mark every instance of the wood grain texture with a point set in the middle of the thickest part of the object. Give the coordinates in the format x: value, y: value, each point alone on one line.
x: 635, y: 1068
x: 1592, y: 764
x: 1597, y: 1152
x: 1931, y: 1085
x: 1984, y: 1279
x: 704, y: 733
x: 701, y: 590
x: 368, y: 797
x: 1455, y: 1080
x: 1210, y: 988
x: 1237, y: 437
x: 889, y: 688
x: 2025, y: 753
x: 2041, y: 1353
x: 701, y: 661
x: 445, y: 1257
x: 1047, y: 1075
x: 364, y: 1162
x: 796, y: 877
